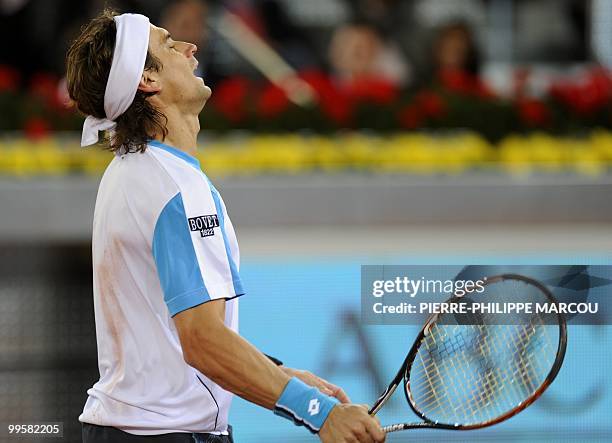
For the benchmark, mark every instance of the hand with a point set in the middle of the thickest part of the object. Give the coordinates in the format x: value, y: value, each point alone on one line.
x: 351, y: 424
x: 322, y: 385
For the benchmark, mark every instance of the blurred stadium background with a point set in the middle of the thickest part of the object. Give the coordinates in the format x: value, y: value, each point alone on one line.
x: 425, y: 131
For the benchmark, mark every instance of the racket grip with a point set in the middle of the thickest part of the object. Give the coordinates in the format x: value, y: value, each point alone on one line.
x: 422, y: 425
x: 394, y: 428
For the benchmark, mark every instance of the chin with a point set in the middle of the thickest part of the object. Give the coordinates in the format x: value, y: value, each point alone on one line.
x: 204, y: 89
x: 204, y: 94
x: 207, y: 92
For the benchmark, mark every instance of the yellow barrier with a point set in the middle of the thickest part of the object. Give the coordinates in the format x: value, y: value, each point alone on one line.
x: 415, y: 153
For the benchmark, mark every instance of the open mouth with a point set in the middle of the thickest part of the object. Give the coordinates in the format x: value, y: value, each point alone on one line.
x: 195, y: 67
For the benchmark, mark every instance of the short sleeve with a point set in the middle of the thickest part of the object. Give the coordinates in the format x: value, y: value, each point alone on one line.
x: 192, y: 254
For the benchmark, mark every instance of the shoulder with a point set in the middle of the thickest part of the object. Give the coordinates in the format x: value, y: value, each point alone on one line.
x: 143, y: 171
x: 187, y: 177
x: 137, y: 185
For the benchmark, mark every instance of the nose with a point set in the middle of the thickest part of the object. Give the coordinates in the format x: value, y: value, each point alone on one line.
x: 191, y: 49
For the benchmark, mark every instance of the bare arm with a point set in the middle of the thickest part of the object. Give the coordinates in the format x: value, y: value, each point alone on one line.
x: 227, y: 358
x: 237, y: 366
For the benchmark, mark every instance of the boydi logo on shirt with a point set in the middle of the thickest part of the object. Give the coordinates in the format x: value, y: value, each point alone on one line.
x: 205, y: 224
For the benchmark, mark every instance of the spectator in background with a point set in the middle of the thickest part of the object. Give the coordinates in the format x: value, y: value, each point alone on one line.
x: 185, y: 20
x: 357, y: 51
x: 455, y: 50
x: 455, y: 60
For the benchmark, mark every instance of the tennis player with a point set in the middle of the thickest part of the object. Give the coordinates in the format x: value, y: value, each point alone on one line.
x: 166, y: 260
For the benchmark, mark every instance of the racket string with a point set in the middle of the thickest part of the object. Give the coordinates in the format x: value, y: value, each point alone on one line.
x: 470, y: 407
x: 454, y: 406
x: 471, y: 376
x: 440, y: 381
x: 486, y: 389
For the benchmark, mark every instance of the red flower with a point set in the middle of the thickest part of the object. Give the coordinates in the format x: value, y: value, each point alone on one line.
x: 372, y: 89
x: 411, y: 117
x: 456, y: 81
x: 588, y: 96
x: 426, y: 105
x: 9, y: 79
x: 338, y: 108
x: 533, y: 112
x: 564, y: 92
x: 45, y: 87
x: 272, y: 101
x: 431, y: 104
x: 36, y: 128
x: 230, y: 98
x: 318, y: 81
x: 334, y: 102
x: 463, y: 83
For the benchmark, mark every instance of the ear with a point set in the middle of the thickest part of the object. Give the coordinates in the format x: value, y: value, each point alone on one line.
x: 149, y: 83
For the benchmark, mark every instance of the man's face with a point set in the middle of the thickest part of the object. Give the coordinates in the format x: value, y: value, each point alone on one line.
x: 177, y: 82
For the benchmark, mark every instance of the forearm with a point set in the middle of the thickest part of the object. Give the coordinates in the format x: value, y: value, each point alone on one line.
x: 234, y: 364
x: 237, y: 366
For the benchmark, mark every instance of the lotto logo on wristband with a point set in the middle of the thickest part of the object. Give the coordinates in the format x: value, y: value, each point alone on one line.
x: 304, y: 405
x: 313, y: 407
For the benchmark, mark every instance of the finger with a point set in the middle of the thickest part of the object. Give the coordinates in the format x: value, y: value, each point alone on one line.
x: 328, y: 384
x: 338, y: 392
x: 375, y: 431
x: 308, y: 378
x: 327, y: 391
x: 341, y: 395
x: 376, y: 418
x: 360, y: 431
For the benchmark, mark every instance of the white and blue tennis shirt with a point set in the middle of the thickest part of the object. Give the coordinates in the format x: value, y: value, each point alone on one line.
x: 162, y: 243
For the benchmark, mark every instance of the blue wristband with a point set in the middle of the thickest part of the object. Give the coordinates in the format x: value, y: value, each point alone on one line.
x: 304, y: 405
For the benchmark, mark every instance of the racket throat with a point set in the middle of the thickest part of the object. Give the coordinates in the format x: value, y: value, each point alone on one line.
x: 383, y: 399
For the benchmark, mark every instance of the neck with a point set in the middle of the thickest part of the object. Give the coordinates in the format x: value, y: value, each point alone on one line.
x: 182, y: 131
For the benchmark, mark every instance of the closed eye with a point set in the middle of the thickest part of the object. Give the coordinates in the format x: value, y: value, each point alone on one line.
x: 172, y: 44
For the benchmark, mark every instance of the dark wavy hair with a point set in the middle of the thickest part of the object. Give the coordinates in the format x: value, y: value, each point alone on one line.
x: 88, y: 64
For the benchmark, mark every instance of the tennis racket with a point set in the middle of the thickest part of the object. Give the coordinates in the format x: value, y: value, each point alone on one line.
x: 470, y: 373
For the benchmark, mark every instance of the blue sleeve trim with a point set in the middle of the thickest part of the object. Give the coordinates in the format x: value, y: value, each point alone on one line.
x: 304, y: 405
x: 183, y: 304
x: 176, y: 261
x: 186, y: 300
x: 238, y: 288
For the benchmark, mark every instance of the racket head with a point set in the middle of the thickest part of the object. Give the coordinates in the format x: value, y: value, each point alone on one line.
x: 482, y: 374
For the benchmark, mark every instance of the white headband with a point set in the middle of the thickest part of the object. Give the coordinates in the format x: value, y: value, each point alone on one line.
x: 131, y: 45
